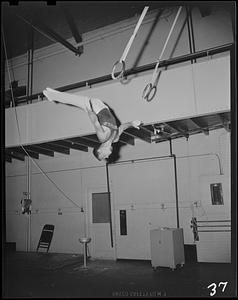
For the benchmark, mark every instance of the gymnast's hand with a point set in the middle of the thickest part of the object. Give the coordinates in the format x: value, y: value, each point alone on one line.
x: 136, y: 124
x: 93, y: 117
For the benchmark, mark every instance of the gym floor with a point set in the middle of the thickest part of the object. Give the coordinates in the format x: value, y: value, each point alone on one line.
x: 50, y: 275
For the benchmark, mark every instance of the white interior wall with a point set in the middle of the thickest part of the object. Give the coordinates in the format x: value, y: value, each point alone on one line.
x: 143, y: 200
x: 213, y: 30
x: 77, y: 174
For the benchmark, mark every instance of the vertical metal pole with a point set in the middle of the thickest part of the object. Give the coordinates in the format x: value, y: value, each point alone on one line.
x: 29, y: 196
x: 189, y: 31
x: 30, y: 52
x: 175, y: 181
x: 110, y: 209
x: 192, y: 32
x: 170, y: 146
x: 176, y: 189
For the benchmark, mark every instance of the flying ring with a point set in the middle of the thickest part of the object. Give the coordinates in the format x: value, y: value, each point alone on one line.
x: 120, y: 75
x: 147, y: 92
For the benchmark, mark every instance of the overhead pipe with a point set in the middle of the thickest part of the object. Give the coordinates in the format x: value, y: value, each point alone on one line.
x: 137, y: 70
x: 140, y: 159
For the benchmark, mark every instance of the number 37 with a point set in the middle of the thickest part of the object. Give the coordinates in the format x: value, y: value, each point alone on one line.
x: 213, y: 292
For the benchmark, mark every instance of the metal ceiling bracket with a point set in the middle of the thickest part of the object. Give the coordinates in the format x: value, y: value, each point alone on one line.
x: 70, y: 20
x: 57, y: 37
x: 227, y: 127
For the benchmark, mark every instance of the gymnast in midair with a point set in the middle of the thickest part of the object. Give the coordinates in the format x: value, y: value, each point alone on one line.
x: 100, y: 115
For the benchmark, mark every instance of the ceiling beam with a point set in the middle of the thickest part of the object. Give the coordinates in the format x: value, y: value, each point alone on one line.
x: 92, y: 137
x: 40, y: 25
x: 160, y: 134
x: 145, y: 131
x: 226, y: 117
x: 70, y: 144
x: 8, y: 158
x: 71, y: 22
x: 55, y: 148
x: 161, y: 139
x: 27, y: 153
x: 225, y: 122
x: 127, y: 139
x: 199, y: 126
x: 139, y: 133
x: 227, y: 127
x: 15, y: 155
x: 177, y: 129
x: 149, y: 128
x: 37, y: 149
x: 84, y: 142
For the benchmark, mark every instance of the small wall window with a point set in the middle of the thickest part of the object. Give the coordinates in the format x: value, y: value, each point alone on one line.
x: 216, y: 194
x: 101, y: 208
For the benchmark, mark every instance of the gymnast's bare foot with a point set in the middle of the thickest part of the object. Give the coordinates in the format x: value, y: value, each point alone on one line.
x: 52, y: 95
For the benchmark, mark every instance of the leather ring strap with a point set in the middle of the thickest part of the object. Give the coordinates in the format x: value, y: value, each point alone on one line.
x: 128, y: 46
x: 152, y: 86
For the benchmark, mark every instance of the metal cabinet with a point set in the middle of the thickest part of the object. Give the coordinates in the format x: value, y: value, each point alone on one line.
x: 167, y: 247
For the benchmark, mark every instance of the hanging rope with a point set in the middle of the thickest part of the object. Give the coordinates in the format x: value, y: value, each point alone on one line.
x: 128, y: 46
x: 19, y: 134
x: 152, y: 86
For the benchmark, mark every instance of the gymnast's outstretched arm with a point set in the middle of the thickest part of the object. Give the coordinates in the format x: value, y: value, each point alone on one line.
x: 124, y: 126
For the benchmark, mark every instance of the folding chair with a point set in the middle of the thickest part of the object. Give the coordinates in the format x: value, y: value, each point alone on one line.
x: 46, y: 237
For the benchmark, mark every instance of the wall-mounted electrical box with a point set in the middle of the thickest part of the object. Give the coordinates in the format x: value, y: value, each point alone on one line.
x: 216, y: 194
x: 123, y: 225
